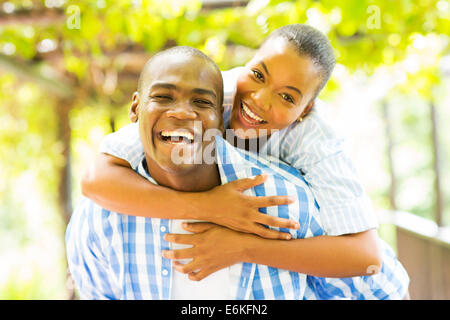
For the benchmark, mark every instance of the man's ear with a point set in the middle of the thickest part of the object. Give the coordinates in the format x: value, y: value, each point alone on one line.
x: 221, y: 125
x: 134, y: 110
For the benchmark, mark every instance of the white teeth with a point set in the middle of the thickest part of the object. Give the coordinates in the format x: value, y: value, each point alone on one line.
x: 251, y: 114
x: 177, y: 133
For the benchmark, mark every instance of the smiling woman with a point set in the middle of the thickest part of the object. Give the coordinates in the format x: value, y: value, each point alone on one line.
x: 271, y: 98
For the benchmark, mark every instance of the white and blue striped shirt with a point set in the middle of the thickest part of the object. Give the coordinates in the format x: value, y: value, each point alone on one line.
x: 115, y: 256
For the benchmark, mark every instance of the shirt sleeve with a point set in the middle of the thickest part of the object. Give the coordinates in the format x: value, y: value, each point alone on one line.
x: 88, y: 265
x: 124, y: 144
x: 390, y: 283
x: 313, y: 148
x: 229, y: 89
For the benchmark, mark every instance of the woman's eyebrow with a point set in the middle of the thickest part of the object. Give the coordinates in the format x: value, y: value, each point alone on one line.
x: 295, y: 89
x: 289, y: 87
x: 265, y: 67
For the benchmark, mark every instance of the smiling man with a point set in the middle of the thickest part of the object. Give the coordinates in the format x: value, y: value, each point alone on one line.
x: 179, y: 97
x: 175, y: 105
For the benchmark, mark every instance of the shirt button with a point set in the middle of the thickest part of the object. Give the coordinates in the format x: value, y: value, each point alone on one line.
x: 165, y: 272
x: 163, y: 229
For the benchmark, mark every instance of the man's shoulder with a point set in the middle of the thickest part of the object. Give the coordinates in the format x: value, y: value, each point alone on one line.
x: 90, y: 216
x: 232, y: 160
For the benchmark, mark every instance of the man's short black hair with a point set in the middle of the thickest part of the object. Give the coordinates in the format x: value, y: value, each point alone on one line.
x: 186, y: 51
x: 312, y: 43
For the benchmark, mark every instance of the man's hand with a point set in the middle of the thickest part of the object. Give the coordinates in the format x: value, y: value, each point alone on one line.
x: 226, y: 205
x: 214, y: 248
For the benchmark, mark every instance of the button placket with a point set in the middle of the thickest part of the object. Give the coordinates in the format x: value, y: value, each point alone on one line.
x: 166, y: 268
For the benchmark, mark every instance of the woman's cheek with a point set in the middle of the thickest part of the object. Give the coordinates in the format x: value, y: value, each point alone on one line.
x: 281, y: 119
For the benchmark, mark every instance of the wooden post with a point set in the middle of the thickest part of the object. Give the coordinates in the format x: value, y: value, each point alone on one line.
x: 112, y: 123
x: 438, y: 206
x: 390, y: 147
x: 64, y: 195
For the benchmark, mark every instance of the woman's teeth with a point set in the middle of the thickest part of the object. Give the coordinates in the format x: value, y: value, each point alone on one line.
x: 250, y: 114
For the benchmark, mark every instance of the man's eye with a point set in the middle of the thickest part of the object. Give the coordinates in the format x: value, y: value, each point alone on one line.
x: 203, y: 102
x: 258, y: 75
x: 161, y: 97
x: 287, y: 97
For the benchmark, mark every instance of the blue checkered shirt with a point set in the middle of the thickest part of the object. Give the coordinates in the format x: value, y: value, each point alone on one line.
x: 114, y: 256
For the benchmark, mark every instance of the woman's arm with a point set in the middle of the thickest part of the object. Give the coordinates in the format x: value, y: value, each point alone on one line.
x: 112, y: 184
x: 215, y: 248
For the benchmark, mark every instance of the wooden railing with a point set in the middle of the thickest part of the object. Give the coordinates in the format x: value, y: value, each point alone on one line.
x: 424, y: 250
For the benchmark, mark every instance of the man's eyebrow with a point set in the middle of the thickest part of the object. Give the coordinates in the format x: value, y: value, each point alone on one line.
x: 264, y: 66
x: 295, y: 89
x: 205, y: 91
x: 163, y: 85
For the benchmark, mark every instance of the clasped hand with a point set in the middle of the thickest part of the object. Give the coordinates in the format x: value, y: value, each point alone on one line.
x: 213, y: 248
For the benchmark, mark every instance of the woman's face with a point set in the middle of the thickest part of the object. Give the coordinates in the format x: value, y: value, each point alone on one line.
x: 272, y: 92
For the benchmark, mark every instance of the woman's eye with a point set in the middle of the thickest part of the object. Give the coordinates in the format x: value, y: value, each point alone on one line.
x: 258, y: 75
x: 287, y: 97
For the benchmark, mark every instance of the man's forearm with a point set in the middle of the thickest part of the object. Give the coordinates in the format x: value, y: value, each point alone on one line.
x: 322, y: 256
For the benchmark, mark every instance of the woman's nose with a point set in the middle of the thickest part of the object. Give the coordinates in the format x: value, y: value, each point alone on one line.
x: 262, y: 99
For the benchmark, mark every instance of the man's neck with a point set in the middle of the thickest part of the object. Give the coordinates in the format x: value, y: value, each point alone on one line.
x: 203, y: 177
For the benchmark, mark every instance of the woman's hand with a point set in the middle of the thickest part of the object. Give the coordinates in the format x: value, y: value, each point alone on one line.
x: 214, y: 248
x: 226, y: 205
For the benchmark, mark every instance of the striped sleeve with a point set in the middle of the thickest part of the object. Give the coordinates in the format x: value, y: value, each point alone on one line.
x: 229, y: 89
x: 89, y: 267
x: 313, y: 148
x: 390, y: 283
x: 125, y: 144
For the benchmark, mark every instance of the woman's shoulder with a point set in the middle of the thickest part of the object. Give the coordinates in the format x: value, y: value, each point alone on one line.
x: 312, y: 139
x: 315, y: 126
x: 229, y: 79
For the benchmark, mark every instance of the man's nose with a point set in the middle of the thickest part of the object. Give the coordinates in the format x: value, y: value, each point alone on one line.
x: 182, y: 111
x: 262, y: 99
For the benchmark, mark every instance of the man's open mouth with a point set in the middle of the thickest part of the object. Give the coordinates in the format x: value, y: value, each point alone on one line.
x: 177, y: 136
x: 249, y: 116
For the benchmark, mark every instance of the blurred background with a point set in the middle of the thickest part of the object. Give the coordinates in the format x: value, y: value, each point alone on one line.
x: 68, y: 69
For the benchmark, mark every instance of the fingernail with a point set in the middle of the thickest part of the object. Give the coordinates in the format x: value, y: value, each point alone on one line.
x: 296, y: 225
x: 288, y: 237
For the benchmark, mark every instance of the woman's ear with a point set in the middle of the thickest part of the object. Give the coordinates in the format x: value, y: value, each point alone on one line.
x: 306, y: 111
x: 134, y: 110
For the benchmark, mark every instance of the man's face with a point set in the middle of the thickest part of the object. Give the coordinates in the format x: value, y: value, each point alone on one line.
x: 179, y: 101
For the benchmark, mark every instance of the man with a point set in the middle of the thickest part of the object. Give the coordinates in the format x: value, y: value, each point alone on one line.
x: 176, y: 88
x: 114, y: 256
